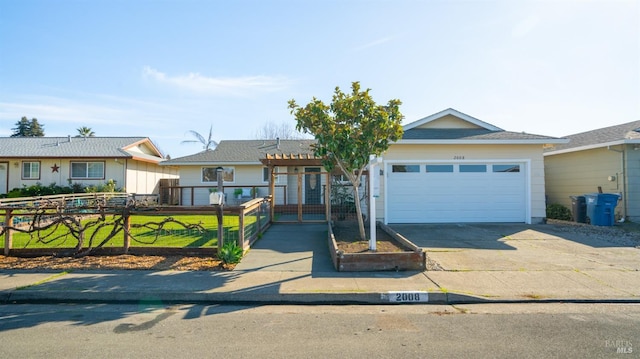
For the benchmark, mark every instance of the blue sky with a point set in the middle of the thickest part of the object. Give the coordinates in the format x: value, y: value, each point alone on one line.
x: 162, y: 68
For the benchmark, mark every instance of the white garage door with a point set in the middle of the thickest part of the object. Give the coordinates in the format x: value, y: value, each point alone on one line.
x: 456, y: 192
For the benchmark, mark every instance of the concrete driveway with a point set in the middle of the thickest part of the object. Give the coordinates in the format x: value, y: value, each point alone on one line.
x: 520, y: 247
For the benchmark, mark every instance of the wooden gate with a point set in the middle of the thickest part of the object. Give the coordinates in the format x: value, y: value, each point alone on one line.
x: 302, y: 195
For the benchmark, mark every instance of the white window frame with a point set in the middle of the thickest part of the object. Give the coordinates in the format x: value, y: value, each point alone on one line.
x: 31, y: 171
x: 265, y: 179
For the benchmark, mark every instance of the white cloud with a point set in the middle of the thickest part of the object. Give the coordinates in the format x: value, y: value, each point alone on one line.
x: 198, y: 83
x: 58, y: 110
x: 107, y: 115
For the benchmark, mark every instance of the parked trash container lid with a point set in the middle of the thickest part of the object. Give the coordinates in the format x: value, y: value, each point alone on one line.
x: 602, y: 198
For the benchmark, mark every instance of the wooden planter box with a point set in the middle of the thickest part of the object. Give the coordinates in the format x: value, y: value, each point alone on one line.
x: 415, y: 259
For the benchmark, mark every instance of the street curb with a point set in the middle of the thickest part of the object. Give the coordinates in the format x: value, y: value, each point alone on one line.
x: 371, y: 298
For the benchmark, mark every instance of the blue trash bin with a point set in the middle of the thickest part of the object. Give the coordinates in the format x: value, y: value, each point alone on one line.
x: 601, y: 208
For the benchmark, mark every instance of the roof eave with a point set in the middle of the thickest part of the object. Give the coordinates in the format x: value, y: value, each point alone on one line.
x: 209, y: 163
x: 485, y: 142
x: 451, y: 111
x: 593, y: 146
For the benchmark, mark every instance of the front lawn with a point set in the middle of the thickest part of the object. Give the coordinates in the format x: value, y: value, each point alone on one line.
x: 146, y: 231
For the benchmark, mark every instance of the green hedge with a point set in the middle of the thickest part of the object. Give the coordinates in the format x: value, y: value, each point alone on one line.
x: 558, y: 211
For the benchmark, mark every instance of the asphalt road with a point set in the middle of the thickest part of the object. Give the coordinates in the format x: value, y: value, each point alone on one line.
x: 227, y: 331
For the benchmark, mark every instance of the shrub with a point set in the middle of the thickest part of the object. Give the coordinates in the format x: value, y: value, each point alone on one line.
x: 558, y: 211
x: 230, y: 253
x: 109, y: 186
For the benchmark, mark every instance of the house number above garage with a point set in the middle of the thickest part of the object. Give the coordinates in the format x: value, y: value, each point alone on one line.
x: 458, y: 157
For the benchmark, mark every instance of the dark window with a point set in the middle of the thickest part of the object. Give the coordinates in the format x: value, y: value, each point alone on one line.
x: 405, y: 168
x: 89, y: 170
x: 209, y: 174
x: 506, y: 168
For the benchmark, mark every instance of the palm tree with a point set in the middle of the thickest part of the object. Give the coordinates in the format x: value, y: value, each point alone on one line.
x: 85, y: 132
x: 207, y: 144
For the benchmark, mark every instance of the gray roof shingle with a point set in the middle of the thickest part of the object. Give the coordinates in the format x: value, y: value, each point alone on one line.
x: 70, y: 147
x: 245, y: 151
x: 625, y: 131
x: 468, y: 134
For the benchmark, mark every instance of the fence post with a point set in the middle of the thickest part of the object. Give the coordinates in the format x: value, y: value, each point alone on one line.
x: 259, y: 218
x: 241, y: 227
x: 327, y: 197
x: 8, y: 222
x: 127, y: 226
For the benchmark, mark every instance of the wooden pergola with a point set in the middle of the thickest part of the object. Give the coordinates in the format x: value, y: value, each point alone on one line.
x: 295, y: 160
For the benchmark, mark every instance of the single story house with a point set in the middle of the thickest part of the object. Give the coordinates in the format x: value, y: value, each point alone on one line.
x: 244, y: 173
x: 132, y: 162
x: 606, y: 159
x: 448, y: 167
x: 451, y: 167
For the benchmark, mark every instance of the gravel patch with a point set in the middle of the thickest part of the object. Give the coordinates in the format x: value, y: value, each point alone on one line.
x: 623, y: 234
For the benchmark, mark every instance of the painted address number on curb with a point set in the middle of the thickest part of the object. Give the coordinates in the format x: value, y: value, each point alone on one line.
x: 408, y: 297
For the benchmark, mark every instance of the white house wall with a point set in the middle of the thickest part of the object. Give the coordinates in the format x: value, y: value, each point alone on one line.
x: 113, y: 170
x: 144, y: 177
x: 245, y: 176
x: 140, y: 177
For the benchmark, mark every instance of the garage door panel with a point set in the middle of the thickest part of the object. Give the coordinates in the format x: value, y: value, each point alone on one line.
x: 456, y: 197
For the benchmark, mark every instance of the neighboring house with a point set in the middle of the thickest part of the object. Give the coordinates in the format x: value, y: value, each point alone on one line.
x: 606, y: 159
x: 243, y: 171
x: 451, y: 167
x: 448, y: 167
x: 132, y: 162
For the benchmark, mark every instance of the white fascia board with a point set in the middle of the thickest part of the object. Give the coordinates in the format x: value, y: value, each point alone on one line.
x: 483, y: 142
x: 594, y: 146
x: 455, y: 113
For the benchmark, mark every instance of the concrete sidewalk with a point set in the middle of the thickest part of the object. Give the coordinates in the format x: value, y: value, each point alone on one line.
x: 291, y: 264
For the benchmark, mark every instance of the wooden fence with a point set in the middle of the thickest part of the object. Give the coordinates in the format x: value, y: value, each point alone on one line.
x: 20, y: 215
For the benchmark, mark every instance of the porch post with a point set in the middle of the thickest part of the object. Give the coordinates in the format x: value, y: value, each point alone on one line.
x: 219, y: 212
x: 272, y: 190
x: 373, y: 161
x: 300, y: 196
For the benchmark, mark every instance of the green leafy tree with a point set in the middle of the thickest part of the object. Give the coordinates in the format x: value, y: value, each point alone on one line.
x: 348, y: 131
x: 207, y: 143
x: 85, y: 132
x: 26, y: 128
x: 37, y: 130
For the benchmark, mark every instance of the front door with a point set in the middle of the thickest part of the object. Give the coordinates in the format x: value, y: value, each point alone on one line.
x: 312, y: 186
